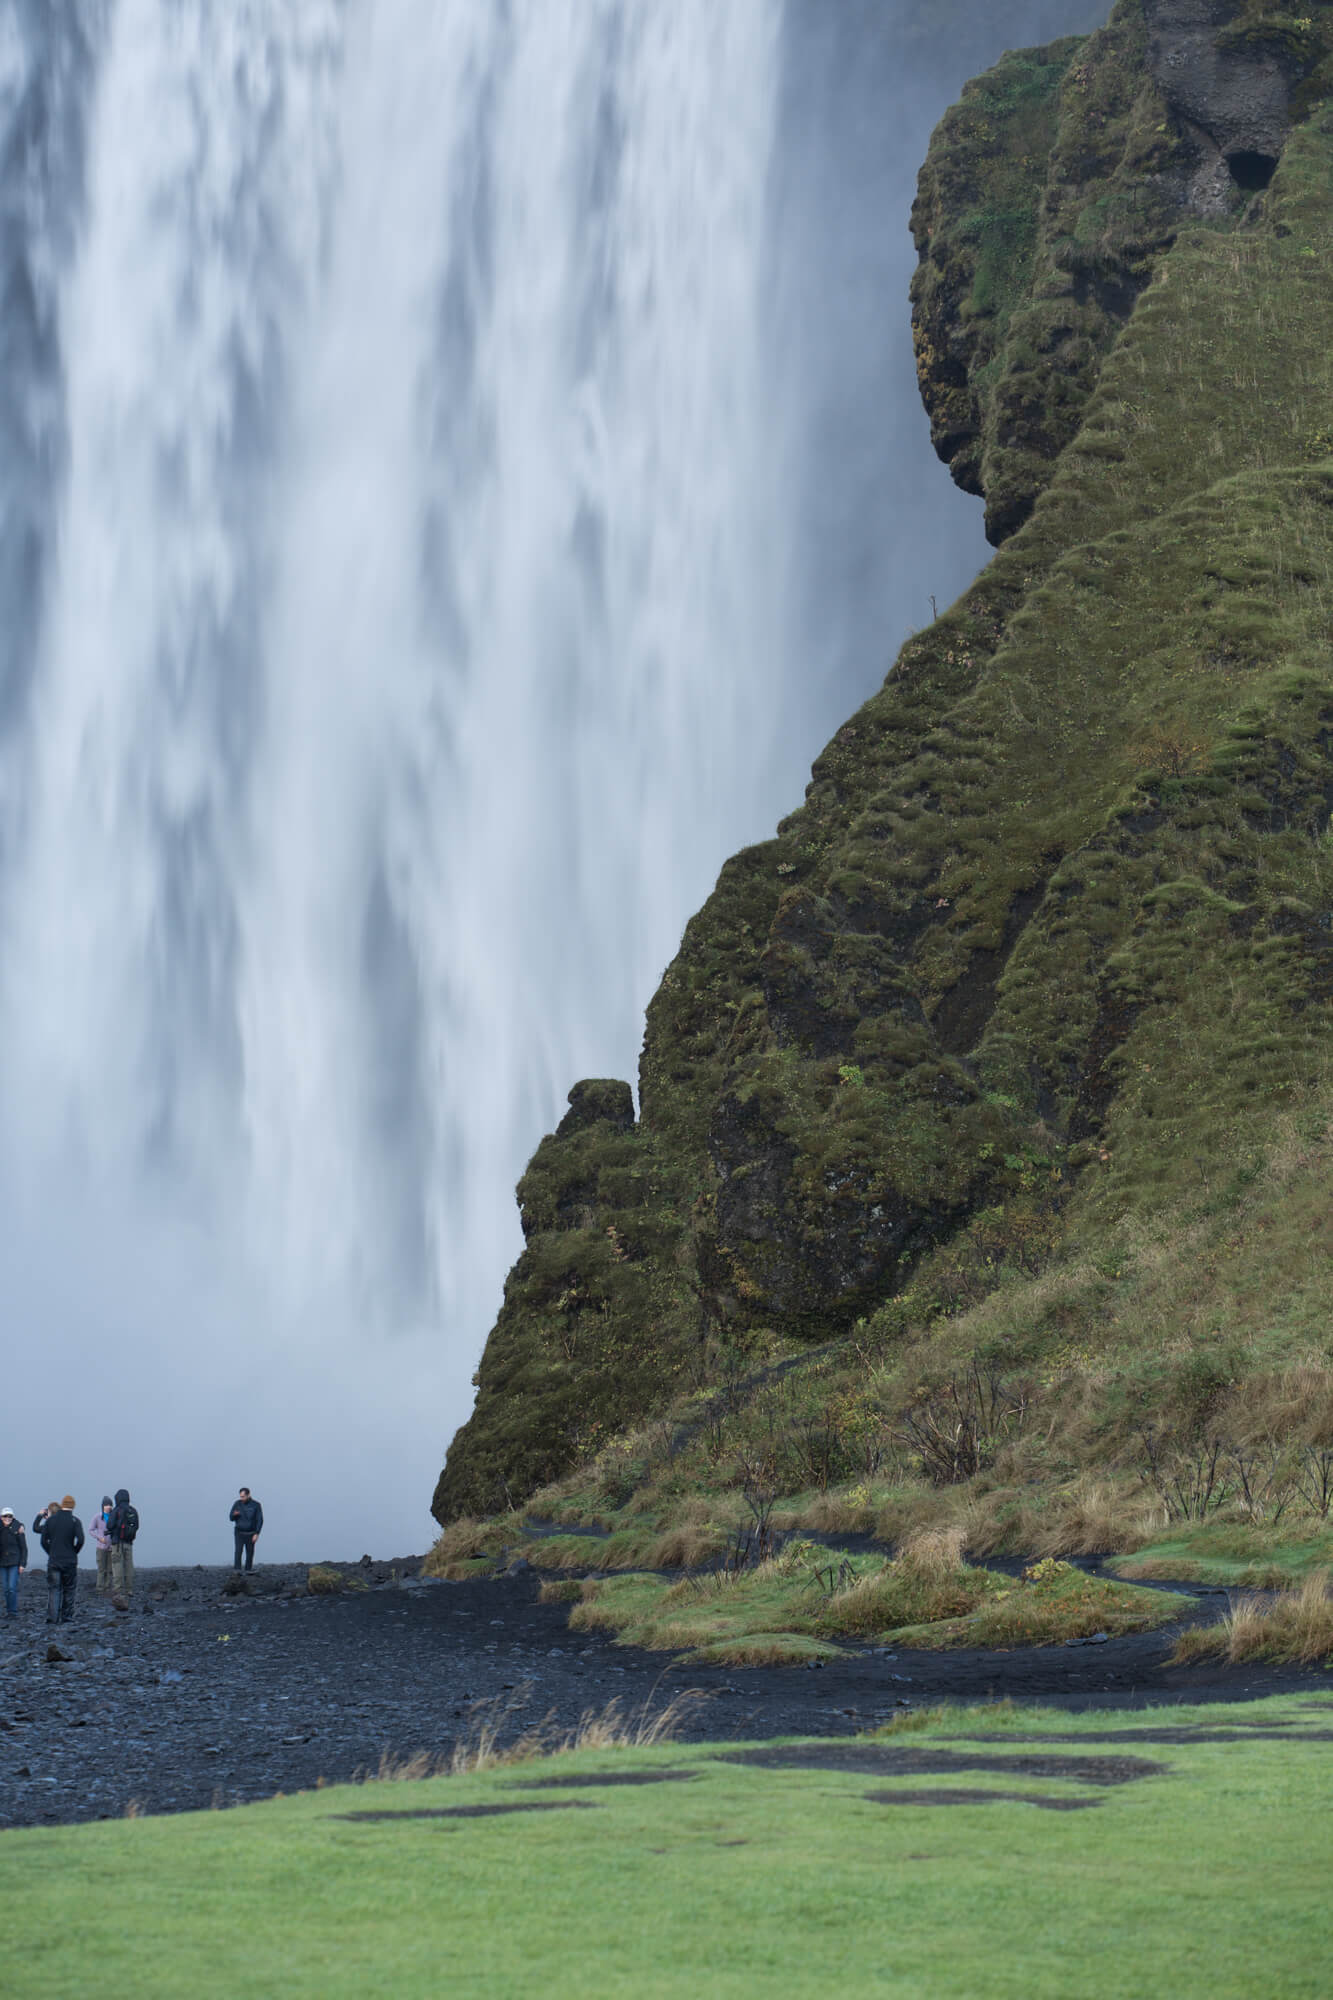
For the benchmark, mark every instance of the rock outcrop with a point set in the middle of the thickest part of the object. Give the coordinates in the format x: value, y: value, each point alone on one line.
x: 1049, y: 195
x: 1054, y: 923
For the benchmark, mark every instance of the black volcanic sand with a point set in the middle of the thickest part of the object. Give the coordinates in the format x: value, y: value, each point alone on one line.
x: 196, y: 1698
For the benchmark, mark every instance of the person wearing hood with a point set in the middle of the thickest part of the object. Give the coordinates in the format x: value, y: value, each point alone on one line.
x: 62, y: 1538
x: 13, y: 1559
x: 102, y: 1542
x: 122, y: 1526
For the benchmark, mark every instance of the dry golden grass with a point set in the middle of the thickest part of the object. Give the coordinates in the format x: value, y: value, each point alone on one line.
x: 933, y: 1552
x: 1096, y: 1518
x: 560, y: 1590
x: 1296, y: 1626
x: 832, y: 1514
x: 766, y: 1649
x: 490, y: 1742
x: 927, y: 1581
x: 322, y: 1580
x: 686, y: 1546
x: 464, y: 1540
x: 615, y: 1727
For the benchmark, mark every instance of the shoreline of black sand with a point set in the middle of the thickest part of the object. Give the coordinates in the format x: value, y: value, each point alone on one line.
x: 196, y: 1698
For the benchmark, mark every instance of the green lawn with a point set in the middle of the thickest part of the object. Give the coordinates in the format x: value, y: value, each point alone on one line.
x: 1207, y: 1877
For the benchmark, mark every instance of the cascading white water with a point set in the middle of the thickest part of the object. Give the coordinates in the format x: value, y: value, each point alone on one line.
x: 406, y: 552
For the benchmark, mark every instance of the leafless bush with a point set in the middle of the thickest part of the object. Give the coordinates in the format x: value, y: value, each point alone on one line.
x: 956, y: 1431
x: 754, y: 1543
x: 1191, y: 1482
x: 818, y: 1444
x: 1313, y: 1476
x: 1263, y: 1478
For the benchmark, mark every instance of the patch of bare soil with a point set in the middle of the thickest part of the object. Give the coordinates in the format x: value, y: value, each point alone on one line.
x: 902, y: 1761
x: 965, y: 1797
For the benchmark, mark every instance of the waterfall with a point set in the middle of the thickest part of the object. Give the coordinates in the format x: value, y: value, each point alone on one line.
x: 429, y: 544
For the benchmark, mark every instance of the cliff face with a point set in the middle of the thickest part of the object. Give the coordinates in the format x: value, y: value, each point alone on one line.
x: 1051, y: 191
x: 1054, y: 925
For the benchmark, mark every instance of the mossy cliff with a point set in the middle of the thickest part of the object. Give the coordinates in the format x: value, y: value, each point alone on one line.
x: 1051, y: 191
x: 1046, y: 955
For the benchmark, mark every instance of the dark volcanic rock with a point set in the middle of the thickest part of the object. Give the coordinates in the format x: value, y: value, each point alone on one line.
x: 220, y: 1699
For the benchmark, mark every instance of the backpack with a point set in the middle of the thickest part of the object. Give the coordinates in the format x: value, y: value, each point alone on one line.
x: 126, y: 1522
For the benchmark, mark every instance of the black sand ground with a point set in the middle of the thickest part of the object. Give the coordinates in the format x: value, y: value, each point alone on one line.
x: 196, y: 1698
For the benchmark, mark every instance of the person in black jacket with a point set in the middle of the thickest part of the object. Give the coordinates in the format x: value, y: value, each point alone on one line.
x: 122, y: 1526
x: 62, y: 1538
x: 247, y: 1520
x: 13, y: 1558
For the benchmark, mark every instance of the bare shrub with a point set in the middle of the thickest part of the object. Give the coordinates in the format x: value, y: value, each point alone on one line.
x: 1313, y: 1477
x: 1191, y: 1481
x: 755, y: 1541
x: 1263, y: 1476
x: 956, y: 1431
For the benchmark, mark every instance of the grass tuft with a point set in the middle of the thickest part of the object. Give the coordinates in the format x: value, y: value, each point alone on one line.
x: 1295, y: 1628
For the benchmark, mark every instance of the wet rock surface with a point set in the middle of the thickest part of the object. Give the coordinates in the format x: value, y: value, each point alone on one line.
x: 197, y: 1697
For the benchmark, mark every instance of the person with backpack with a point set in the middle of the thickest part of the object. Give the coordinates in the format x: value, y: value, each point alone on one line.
x: 122, y: 1527
x: 13, y: 1558
x: 247, y: 1520
x: 62, y: 1538
x: 102, y: 1541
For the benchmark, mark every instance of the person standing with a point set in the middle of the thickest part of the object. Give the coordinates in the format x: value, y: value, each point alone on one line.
x: 62, y: 1538
x: 122, y: 1526
x: 247, y: 1519
x: 102, y: 1541
x: 13, y: 1559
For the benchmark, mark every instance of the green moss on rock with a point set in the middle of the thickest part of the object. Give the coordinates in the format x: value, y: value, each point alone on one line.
x: 1053, y: 928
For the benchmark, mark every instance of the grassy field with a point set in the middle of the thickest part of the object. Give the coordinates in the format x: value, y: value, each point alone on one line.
x: 1185, y: 1866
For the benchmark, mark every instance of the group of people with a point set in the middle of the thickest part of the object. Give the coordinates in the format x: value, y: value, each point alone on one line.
x: 60, y: 1532
x: 115, y: 1528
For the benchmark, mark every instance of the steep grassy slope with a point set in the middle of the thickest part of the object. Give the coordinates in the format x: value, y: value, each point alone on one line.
x: 1012, y: 1044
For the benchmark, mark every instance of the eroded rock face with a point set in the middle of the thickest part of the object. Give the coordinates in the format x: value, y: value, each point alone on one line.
x: 598, y: 1101
x: 1052, y: 924
x: 1233, y: 94
x: 1049, y: 195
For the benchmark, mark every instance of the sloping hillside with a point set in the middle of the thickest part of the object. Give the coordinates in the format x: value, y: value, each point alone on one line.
x: 1006, y: 1061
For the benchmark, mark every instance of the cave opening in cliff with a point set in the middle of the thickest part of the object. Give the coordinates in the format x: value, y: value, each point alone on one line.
x: 1251, y: 171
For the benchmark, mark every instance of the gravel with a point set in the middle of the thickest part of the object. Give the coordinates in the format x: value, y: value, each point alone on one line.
x: 195, y: 1697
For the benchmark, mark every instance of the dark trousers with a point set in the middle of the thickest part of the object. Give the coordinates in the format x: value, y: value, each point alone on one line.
x: 245, y: 1546
x: 62, y: 1580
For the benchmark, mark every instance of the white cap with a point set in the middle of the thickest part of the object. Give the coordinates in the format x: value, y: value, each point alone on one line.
x: 7, y: 1510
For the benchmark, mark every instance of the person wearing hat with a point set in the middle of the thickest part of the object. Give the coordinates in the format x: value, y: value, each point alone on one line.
x: 102, y: 1543
x: 62, y: 1538
x: 13, y: 1559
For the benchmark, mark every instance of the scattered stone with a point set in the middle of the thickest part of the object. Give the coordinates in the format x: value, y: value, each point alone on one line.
x: 54, y: 1655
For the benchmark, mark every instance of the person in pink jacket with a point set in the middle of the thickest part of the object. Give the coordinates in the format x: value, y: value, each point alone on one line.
x: 102, y: 1538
